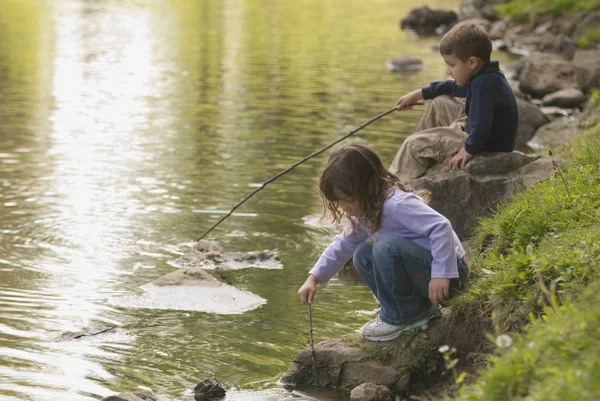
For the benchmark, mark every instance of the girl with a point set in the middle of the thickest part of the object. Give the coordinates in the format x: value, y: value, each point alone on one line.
x: 406, y: 252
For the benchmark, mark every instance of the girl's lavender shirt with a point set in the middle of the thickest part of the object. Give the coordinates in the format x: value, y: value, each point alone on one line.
x: 405, y: 215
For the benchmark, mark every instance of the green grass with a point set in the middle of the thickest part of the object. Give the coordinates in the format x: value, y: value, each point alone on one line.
x: 590, y: 38
x: 523, y: 10
x: 537, y: 277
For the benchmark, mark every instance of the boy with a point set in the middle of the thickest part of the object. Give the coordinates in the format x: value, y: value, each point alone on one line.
x: 491, y: 120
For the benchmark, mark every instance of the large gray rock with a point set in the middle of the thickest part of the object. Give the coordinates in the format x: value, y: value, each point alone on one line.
x: 557, y: 133
x: 425, y: 21
x: 545, y: 73
x: 347, y: 362
x: 371, y: 392
x: 530, y: 119
x: 463, y: 196
x: 478, y: 9
x: 587, y: 69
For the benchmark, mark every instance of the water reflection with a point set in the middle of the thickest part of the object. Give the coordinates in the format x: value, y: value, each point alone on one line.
x: 127, y: 128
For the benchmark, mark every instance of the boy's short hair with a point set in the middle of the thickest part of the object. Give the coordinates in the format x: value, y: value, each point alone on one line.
x: 467, y: 40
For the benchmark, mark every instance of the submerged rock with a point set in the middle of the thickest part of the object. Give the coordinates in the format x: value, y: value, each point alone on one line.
x: 210, y: 255
x: 192, y: 289
x: 465, y: 195
x: 209, y: 390
x: 405, y: 63
x: 137, y: 396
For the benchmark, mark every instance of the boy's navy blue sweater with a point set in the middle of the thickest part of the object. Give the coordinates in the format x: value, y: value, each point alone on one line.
x: 491, y: 108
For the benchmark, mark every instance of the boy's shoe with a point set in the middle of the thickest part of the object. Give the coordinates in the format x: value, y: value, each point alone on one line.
x: 377, y: 330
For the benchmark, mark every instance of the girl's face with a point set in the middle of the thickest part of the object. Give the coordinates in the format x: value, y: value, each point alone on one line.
x: 348, y: 205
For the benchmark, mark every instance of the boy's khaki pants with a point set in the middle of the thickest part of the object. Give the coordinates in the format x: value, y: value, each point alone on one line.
x: 439, y: 136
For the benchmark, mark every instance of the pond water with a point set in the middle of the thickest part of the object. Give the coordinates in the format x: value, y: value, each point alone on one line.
x: 126, y: 127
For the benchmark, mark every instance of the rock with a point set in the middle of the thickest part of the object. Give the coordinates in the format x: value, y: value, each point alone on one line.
x: 587, y: 69
x: 465, y: 195
x: 137, y: 396
x: 425, y: 21
x: 554, y: 112
x: 188, y: 276
x: 478, y: 9
x: 558, y: 44
x: 405, y: 63
x: 345, y: 363
x: 568, y: 98
x: 208, y: 390
x: 591, y: 20
x: 210, y: 255
x: 557, y: 133
x: 530, y: 119
x: 498, y: 29
x: 545, y: 73
x: 191, y: 289
x: 519, y: 40
x: 480, y: 22
x: 371, y: 392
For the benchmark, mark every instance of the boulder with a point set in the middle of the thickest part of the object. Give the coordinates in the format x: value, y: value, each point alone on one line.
x: 557, y: 133
x: 463, y: 196
x: 425, y: 21
x: 371, y: 392
x: 347, y: 362
x: 545, y: 73
x: 587, y: 69
x: 209, y: 390
x: 498, y: 29
x: 530, y: 119
x: 405, y: 63
x: 567, y: 98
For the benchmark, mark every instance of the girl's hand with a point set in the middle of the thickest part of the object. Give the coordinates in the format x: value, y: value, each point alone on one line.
x: 409, y: 100
x: 439, y: 290
x: 308, y: 290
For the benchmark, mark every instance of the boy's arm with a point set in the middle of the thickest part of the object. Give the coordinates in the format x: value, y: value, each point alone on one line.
x: 448, y: 87
x: 481, y: 117
x: 338, y: 253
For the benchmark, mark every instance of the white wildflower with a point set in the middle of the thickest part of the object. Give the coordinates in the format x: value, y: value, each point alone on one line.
x: 444, y: 348
x: 503, y: 341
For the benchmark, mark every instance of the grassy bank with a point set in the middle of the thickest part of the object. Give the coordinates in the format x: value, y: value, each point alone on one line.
x: 523, y: 10
x: 536, y: 276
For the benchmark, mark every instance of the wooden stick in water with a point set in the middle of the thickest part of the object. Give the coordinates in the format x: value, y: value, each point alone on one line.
x: 312, y: 347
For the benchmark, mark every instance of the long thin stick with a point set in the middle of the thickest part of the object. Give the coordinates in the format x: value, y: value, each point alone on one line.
x: 318, y: 152
x: 312, y: 347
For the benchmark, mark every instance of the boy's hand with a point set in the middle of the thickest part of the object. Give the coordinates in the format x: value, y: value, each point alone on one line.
x: 308, y: 290
x: 439, y: 290
x: 460, y: 159
x: 409, y: 100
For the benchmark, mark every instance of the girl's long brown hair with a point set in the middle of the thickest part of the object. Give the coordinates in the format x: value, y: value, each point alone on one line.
x: 357, y: 172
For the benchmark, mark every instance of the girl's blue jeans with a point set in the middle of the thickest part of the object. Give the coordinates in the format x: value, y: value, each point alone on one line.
x: 398, y: 272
